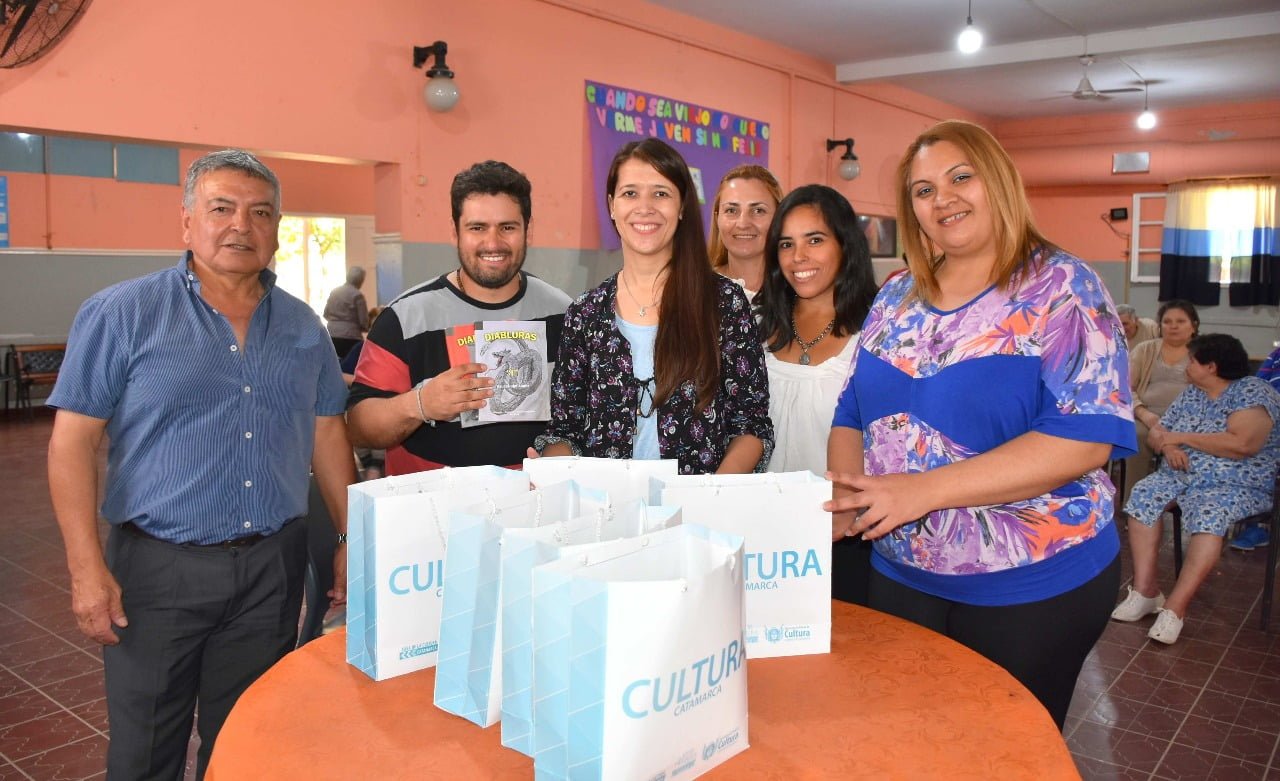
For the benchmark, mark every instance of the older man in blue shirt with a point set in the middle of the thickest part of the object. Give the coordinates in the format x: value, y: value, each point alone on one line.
x: 216, y: 390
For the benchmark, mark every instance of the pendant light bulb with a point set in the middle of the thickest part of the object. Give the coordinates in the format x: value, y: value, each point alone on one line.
x: 1147, y: 119
x: 970, y: 40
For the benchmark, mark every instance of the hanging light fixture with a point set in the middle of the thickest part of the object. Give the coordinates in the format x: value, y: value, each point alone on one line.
x: 849, y: 165
x: 970, y: 39
x: 1147, y: 119
x: 441, y: 93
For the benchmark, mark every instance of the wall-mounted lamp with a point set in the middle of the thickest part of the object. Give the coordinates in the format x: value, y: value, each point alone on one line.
x: 441, y: 93
x: 970, y: 38
x: 849, y: 165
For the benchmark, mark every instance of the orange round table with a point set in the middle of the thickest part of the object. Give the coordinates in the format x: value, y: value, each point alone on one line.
x: 891, y: 700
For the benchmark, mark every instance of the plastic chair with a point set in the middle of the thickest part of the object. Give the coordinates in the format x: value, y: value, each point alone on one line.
x: 322, y: 540
x: 1272, y: 521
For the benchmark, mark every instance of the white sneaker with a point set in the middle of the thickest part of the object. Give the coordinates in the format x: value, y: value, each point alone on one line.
x: 1166, y: 628
x: 1136, y: 606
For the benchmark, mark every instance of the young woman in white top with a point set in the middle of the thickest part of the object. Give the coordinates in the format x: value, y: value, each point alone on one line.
x: 818, y: 286
x: 745, y: 204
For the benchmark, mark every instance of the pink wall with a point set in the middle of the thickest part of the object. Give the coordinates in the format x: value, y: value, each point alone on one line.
x: 82, y: 212
x: 1072, y: 217
x: 316, y: 79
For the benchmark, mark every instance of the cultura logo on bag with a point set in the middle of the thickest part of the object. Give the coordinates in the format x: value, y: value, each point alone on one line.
x: 687, y: 687
x: 764, y: 570
x: 719, y: 743
x: 777, y: 634
x: 408, y: 578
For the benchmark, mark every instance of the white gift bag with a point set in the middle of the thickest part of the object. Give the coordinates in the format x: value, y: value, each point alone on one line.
x: 639, y: 659
x: 622, y: 479
x: 468, y: 672
x: 788, y: 551
x: 396, y: 533
x: 524, y: 549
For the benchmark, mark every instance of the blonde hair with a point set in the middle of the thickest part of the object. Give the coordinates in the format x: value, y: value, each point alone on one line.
x: 1016, y: 236
x: 715, y: 246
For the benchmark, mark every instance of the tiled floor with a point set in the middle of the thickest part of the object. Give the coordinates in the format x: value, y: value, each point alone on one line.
x: 1205, y: 708
x: 53, y: 718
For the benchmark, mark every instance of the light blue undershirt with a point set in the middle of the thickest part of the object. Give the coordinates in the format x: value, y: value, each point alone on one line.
x: 642, y: 339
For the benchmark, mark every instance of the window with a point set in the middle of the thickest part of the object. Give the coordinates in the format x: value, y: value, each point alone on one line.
x: 1230, y: 217
x: 1220, y: 234
x: 312, y: 259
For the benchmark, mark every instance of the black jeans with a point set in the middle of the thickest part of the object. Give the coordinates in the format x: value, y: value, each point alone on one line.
x: 1042, y: 644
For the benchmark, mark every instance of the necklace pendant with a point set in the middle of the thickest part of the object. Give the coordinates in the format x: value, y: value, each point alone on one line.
x: 804, y: 358
x: 643, y: 310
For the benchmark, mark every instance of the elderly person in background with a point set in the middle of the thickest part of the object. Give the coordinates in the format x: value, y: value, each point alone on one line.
x: 1136, y: 329
x: 347, y: 313
x: 1157, y: 374
x: 1253, y: 535
x: 744, y: 206
x: 1220, y: 444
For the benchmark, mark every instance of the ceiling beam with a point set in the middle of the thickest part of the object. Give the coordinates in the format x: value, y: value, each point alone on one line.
x: 1115, y: 42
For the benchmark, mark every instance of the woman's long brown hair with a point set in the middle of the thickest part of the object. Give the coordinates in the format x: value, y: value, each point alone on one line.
x: 688, y: 342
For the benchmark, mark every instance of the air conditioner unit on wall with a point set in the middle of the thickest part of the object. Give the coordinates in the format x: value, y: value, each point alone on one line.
x: 1131, y: 162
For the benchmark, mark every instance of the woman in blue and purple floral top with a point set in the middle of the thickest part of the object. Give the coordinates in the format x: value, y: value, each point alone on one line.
x: 990, y: 388
x: 662, y: 360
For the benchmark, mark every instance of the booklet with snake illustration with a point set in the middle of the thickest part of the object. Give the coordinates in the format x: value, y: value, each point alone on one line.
x: 515, y: 352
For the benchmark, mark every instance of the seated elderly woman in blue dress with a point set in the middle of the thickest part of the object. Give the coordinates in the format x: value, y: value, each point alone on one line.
x: 1219, y: 444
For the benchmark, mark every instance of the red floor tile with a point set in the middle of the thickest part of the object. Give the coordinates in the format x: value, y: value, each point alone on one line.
x: 1250, y: 745
x: 1156, y: 721
x: 41, y: 645
x: 1232, y: 769
x: 25, y: 705
x: 1204, y: 734
x: 58, y: 668
x: 1218, y: 705
x: 74, y: 761
x: 95, y: 713
x: 1185, y: 763
x: 78, y: 690
x: 43, y: 734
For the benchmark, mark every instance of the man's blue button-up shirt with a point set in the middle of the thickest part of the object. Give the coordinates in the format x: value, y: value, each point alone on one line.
x: 209, y: 441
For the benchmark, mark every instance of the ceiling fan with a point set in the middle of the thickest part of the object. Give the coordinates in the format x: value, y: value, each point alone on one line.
x: 1085, y: 89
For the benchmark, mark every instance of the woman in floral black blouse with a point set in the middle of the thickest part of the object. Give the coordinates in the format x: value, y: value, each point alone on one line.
x: 639, y: 373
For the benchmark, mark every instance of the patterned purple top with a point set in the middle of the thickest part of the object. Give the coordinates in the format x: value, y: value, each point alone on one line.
x: 931, y: 388
x: 595, y: 397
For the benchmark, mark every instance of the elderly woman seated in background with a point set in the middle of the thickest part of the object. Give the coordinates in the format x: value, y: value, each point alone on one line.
x: 1157, y: 374
x: 1220, y: 444
x: 1136, y: 329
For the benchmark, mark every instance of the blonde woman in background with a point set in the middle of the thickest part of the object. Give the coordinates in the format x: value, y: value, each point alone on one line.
x: 744, y: 206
